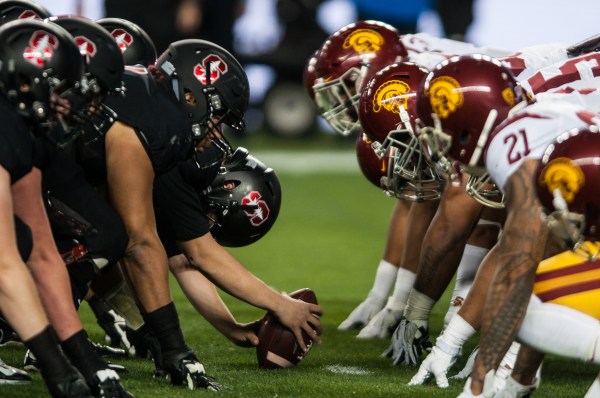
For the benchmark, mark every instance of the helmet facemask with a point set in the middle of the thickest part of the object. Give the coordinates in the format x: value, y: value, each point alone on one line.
x: 435, y: 144
x: 565, y: 226
x: 337, y: 101
x: 484, y: 191
x: 411, y: 178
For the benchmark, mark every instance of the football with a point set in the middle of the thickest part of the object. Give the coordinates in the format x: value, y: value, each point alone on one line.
x: 277, y: 347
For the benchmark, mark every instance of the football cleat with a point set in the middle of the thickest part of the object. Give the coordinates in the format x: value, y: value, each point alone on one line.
x: 74, y: 386
x: 362, y: 314
x: 30, y: 362
x: 115, y: 328
x: 185, y: 369
x: 381, y: 325
x: 108, y: 385
x: 10, y: 375
x: 106, y: 351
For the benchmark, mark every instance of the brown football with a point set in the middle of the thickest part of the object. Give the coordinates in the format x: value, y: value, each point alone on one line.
x: 277, y: 347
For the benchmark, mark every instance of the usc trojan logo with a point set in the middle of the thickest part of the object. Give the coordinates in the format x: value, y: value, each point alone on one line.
x: 562, y: 174
x: 41, y: 48
x: 261, y: 213
x: 210, y: 69
x: 509, y: 96
x: 391, y: 95
x: 123, y: 39
x: 444, y: 97
x: 364, y: 41
x: 87, y: 48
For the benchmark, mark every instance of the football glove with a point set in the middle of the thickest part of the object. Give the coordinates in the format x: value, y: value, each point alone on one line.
x: 362, y: 314
x: 437, y: 364
x: 381, y: 325
x: 409, y: 341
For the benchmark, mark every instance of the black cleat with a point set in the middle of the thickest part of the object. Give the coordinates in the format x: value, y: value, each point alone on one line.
x: 30, y: 363
x: 106, y: 351
x: 185, y: 369
x: 74, y: 386
x: 10, y: 375
x: 108, y: 385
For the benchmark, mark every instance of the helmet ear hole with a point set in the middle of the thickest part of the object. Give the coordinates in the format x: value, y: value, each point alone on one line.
x: 230, y: 185
x: 189, y: 97
x: 464, y: 137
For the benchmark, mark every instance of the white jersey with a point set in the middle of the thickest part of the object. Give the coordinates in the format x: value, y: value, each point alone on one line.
x: 428, y: 51
x: 581, y: 72
x: 424, y: 42
x: 525, y: 62
x: 527, y: 133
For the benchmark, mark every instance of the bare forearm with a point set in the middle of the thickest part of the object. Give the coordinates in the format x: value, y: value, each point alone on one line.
x: 203, y: 295
x: 225, y: 271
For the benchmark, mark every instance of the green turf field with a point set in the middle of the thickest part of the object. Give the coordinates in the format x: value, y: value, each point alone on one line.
x: 329, y: 237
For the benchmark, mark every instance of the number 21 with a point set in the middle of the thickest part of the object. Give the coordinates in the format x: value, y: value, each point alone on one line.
x: 514, y: 154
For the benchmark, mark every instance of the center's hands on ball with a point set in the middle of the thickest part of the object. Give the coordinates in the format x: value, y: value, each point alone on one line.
x: 299, y: 316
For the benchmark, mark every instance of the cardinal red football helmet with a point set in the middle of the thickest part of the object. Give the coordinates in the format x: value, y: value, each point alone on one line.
x: 459, y: 104
x: 347, y: 59
x: 567, y: 180
x: 372, y: 167
x: 309, y: 75
x: 387, y: 113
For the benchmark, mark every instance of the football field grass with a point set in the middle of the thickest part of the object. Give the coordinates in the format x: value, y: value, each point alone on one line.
x: 329, y: 236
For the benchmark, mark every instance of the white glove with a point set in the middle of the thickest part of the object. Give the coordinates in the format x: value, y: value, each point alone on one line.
x: 381, y: 325
x: 362, y: 314
x: 437, y: 364
x: 513, y: 389
x: 466, y: 371
x: 488, y: 387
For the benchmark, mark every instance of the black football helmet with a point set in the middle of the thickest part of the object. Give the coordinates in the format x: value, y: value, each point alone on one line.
x: 214, y: 78
x: 245, y: 199
x: 104, y: 67
x: 566, y: 180
x: 11, y: 10
x: 136, y: 45
x: 103, y: 60
x: 42, y: 57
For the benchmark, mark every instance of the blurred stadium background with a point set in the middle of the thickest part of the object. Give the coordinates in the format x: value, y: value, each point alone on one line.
x: 274, y: 38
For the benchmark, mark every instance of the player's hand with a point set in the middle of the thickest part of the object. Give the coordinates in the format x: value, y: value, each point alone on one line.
x: 245, y: 334
x: 298, y: 316
x: 409, y: 341
x: 437, y: 365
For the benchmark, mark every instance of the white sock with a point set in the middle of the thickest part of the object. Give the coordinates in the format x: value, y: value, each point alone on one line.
x: 385, y: 277
x: 405, y: 280
x: 418, y: 308
x: 456, y: 333
x: 467, y: 269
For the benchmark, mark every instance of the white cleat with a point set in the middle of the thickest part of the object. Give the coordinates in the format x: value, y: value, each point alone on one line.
x: 362, y: 314
x: 382, y: 325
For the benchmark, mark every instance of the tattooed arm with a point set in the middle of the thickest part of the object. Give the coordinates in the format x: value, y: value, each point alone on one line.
x: 522, y: 247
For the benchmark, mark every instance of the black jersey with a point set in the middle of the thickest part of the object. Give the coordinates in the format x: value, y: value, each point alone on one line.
x: 151, y: 110
x: 179, y: 216
x: 16, y: 144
